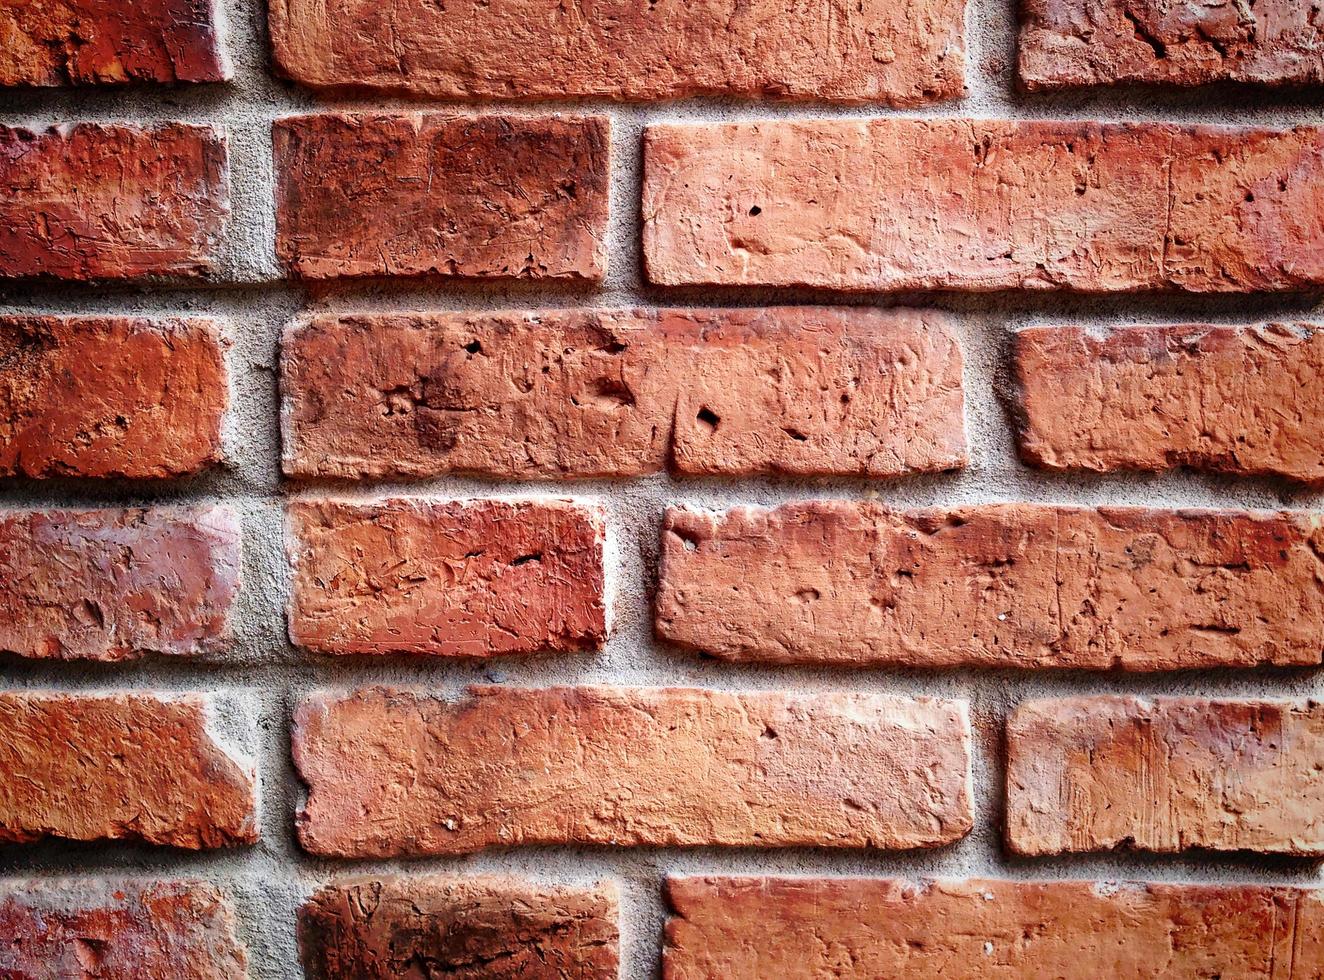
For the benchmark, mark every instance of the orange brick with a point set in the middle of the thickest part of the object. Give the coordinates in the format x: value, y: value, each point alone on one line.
x: 1002, y: 585
x: 962, y: 204
x: 803, y: 928
x: 474, y: 578
x: 807, y: 391
x: 1096, y: 773
x: 667, y: 767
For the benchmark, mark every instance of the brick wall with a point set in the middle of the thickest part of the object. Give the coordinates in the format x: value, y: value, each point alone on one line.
x: 697, y: 490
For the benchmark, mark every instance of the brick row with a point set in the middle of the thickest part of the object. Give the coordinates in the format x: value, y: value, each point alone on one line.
x: 629, y: 767
x: 736, y: 927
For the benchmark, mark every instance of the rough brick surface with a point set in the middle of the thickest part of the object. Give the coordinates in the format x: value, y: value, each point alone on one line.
x: 803, y: 928
x: 901, y: 52
x: 111, y: 202
x: 1013, y: 585
x: 473, y: 578
x: 475, y: 928
x: 120, y: 767
x: 984, y: 204
x: 623, y: 766
x: 184, y: 930
x: 1096, y: 773
x: 90, y: 42
x: 623, y: 393
x: 442, y: 195
x: 115, y: 584
x: 1102, y: 42
x: 109, y: 396
x: 1244, y: 400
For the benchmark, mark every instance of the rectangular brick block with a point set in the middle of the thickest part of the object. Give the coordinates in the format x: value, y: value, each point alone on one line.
x: 1000, y: 585
x: 110, y: 396
x: 807, y: 928
x: 493, y: 928
x: 579, y: 393
x: 476, y: 578
x: 97, y: 928
x: 117, y: 584
x: 510, y: 197
x: 111, y: 202
x: 1097, y: 773
x: 667, y: 767
x: 903, y: 52
x: 85, y: 42
x: 1104, y: 42
x: 961, y: 204
x: 133, y: 767
x: 1242, y: 400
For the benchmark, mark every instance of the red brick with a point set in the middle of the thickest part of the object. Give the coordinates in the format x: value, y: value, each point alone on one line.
x: 902, y: 53
x: 111, y: 202
x: 116, y: 584
x: 886, y: 204
x: 87, y: 42
x: 1243, y: 400
x: 509, y: 197
x: 476, y: 578
x: 1005, y: 585
x: 184, y: 930
x: 135, y: 767
x: 666, y: 767
x: 1096, y: 773
x: 110, y: 396
x: 802, y: 928
x: 1104, y: 42
x: 577, y: 393
x: 480, y: 928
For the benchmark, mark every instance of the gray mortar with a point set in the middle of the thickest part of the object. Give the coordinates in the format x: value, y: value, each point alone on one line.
x: 264, y: 672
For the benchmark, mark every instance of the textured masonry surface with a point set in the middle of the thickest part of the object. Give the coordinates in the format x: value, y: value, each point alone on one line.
x: 662, y: 490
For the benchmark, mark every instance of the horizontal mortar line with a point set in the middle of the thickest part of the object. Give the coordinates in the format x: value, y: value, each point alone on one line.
x: 110, y: 859
x: 510, y: 296
x: 261, y: 99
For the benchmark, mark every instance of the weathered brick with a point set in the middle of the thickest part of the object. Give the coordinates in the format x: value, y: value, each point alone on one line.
x: 110, y: 396
x: 1244, y: 400
x: 794, y: 928
x: 476, y: 578
x: 1010, y: 585
x: 116, y: 584
x: 111, y: 202
x: 442, y: 195
x: 984, y: 204
x: 95, y: 928
x: 87, y: 42
x: 137, y: 767
x: 903, y: 53
x: 1104, y: 42
x: 481, y: 928
x: 581, y: 393
x: 1097, y: 773
x: 623, y: 766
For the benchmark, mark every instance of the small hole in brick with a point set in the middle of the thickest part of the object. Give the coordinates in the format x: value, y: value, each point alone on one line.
x: 755, y: 211
x: 525, y: 559
x: 709, y: 419
x: 473, y: 347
